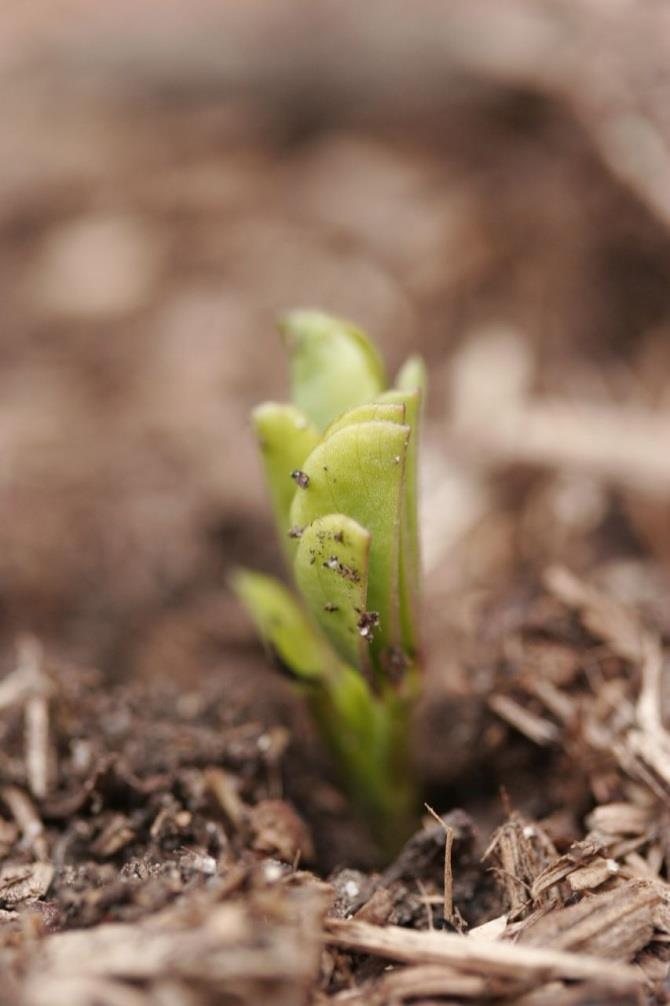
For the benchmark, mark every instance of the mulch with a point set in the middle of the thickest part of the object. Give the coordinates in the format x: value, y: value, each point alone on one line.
x: 152, y: 852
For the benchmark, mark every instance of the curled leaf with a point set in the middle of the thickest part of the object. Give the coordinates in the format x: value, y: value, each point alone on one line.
x: 413, y: 376
x: 392, y: 412
x: 286, y: 437
x: 359, y: 471
x: 283, y: 625
x: 334, y: 366
x: 331, y: 571
x: 410, y: 555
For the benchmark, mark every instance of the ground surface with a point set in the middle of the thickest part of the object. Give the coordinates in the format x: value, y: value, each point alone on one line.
x: 491, y: 192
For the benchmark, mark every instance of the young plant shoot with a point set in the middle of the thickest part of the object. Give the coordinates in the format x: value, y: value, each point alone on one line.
x: 341, y: 467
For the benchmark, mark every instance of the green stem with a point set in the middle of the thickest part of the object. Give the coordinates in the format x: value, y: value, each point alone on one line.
x: 369, y: 737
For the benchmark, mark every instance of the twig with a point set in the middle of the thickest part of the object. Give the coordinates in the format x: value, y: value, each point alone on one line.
x: 27, y: 819
x: 448, y: 898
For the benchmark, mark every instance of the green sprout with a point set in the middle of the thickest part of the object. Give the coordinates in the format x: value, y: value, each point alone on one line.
x: 341, y: 466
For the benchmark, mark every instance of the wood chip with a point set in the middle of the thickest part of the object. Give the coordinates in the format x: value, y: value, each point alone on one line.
x: 522, y: 851
x: 560, y: 704
x: 662, y: 914
x: 491, y: 930
x: 116, y: 834
x: 620, y: 819
x: 278, y: 830
x: 224, y: 788
x: 579, y: 855
x: 649, y: 703
x: 376, y: 909
x: 538, y: 729
x: 27, y: 819
x: 593, y: 994
x: 653, y: 750
x: 37, y: 756
x: 27, y: 678
x: 478, y: 957
x: 24, y: 882
x: 605, y: 618
x: 409, y: 984
x: 263, y: 949
x: 614, y: 925
x: 587, y: 878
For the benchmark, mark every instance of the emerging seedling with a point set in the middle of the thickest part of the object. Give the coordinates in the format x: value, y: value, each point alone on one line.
x: 341, y: 466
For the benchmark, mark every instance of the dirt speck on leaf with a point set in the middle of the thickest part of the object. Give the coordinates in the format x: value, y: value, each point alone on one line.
x: 300, y: 478
x: 367, y: 622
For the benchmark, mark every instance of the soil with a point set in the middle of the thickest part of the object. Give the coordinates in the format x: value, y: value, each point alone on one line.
x: 172, y: 832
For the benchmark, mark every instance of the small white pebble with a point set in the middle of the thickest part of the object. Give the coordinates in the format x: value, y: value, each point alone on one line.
x: 351, y: 889
x: 205, y: 864
x: 529, y: 831
x: 612, y: 866
x: 82, y: 755
x: 272, y: 872
x: 264, y: 743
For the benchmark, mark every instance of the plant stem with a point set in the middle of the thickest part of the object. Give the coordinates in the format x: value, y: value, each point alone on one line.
x: 369, y: 736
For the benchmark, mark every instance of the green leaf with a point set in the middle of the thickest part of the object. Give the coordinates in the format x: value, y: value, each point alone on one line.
x: 358, y: 471
x: 334, y: 366
x: 400, y: 407
x: 331, y: 570
x: 391, y: 412
x: 410, y: 554
x: 413, y: 376
x: 283, y: 625
x: 286, y: 437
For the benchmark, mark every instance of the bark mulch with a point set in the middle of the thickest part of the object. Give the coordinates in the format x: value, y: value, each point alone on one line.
x: 150, y: 854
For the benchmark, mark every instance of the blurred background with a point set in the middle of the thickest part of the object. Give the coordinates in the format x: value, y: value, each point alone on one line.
x: 486, y: 184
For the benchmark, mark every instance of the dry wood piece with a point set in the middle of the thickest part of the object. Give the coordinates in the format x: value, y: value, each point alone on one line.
x: 427, y: 847
x: 277, y: 830
x: 27, y: 678
x: 27, y: 819
x: 538, y: 729
x: 579, y: 855
x: 37, y: 745
x: 478, y: 957
x: 614, y: 925
x: 549, y: 432
x: 224, y: 787
x: 620, y: 819
x: 593, y: 994
x: 29, y: 685
x: 376, y: 909
x: 247, y: 950
x: 522, y: 851
x: 117, y: 833
x: 448, y: 875
x: 24, y: 882
x: 648, y: 755
x: 635, y: 733
x: 601, y: 615
x: 491, y: 930
x: 587, y: 878
x: 426, y: 980
x: 561, y: 705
